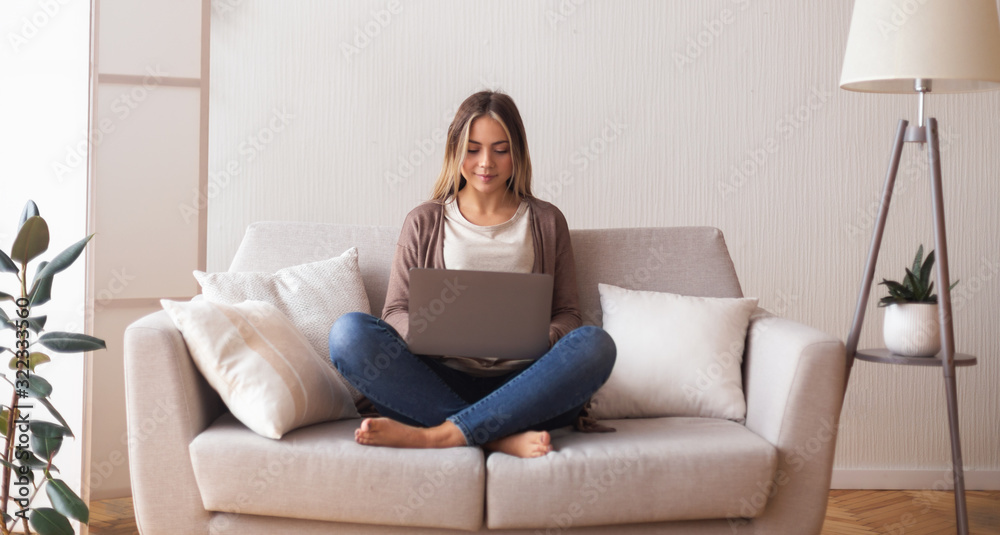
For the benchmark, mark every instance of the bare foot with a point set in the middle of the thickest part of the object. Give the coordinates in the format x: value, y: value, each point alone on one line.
x: 386, y: 432
x: 525, y: 445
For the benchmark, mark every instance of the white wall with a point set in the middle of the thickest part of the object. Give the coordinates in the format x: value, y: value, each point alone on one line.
x: 637, y: 114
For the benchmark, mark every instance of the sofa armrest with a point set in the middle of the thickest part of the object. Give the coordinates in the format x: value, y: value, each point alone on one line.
x: 168, y: 403
x: 794, y: 386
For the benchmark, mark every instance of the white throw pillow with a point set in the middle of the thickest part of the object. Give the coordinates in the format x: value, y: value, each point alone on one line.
x: 312, y: 295
x: 261, y: 365
x: 677, y: 355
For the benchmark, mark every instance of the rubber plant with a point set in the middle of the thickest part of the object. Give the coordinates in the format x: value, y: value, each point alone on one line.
x: 31, y: 443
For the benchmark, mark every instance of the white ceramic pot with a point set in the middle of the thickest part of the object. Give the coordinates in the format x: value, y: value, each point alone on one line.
x: 912, y: 329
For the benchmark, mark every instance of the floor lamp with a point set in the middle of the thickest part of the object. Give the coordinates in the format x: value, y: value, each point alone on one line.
x: 922, y: 46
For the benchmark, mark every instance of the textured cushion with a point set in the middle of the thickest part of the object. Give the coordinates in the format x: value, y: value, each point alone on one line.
x: 650, y: 470
x: 261, y: 366
x: 320, y: 473
x: 677, y: 355
x: 272, y: 245
x: 312, y: 295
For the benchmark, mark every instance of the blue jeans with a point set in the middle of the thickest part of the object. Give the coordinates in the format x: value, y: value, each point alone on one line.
x: 420, y: 391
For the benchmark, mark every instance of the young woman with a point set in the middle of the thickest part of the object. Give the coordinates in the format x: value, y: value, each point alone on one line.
x: 483, y: 217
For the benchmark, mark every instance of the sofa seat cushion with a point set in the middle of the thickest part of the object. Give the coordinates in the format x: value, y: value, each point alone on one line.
x: 320, y: 473
x: 650, y: 470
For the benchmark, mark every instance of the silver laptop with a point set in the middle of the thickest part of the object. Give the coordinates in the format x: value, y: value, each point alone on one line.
x: 486, y: 314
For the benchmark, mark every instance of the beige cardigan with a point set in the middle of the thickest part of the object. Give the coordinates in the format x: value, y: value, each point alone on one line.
x: 421, y: 244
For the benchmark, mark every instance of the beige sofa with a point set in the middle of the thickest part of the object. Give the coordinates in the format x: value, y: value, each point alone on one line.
x: 196, y: 470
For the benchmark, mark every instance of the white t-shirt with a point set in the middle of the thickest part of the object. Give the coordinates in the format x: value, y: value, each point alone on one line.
x: 505, y: 247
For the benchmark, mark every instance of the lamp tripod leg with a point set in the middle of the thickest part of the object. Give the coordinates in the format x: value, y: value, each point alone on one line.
x: 947, y: 329
x: 866, y: 283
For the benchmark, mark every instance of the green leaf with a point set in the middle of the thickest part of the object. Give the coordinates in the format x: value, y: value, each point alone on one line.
x: 35, y: 463
x: 41, y: 289
x: 48, y: 429
x: 30, y: 209
x: 37, y: 323
x: 55, y: 414
x: 6, y: 264
x: 46, y: 447
x: 925, y: 270
x: 4, y: 417
x: 4, y: 296
x: 917, y: 259
x: 32, y: 240
x: 7, y: 518
x: 34, y: 359
x: 5, y: 320
x: 38, y: 387
x: 66, y: 501
x: 63, y: 342
x: 928, y: 294
x: 62, y: 260
x: 48, y: 521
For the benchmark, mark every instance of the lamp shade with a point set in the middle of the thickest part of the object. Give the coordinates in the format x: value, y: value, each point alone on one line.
x: 953, y: 45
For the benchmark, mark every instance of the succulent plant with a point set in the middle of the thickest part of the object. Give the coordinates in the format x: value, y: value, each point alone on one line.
x: 917, y: 286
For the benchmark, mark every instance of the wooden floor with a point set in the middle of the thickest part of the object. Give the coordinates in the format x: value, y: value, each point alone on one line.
x: 850, y: 512
x: 909, y: 512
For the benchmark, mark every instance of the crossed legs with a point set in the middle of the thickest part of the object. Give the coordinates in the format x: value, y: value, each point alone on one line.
x: 427, y: 405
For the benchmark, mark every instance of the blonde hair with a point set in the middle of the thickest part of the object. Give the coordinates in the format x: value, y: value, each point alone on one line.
x: 502, y: 109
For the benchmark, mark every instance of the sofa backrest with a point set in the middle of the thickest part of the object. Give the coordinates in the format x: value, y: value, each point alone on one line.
x: 681, y: 260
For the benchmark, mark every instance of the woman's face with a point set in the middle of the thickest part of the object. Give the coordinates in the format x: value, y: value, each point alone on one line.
x: 487, y: 164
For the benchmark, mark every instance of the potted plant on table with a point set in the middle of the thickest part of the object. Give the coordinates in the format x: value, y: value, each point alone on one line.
x: 30, y: 443
x: 911, y: 325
